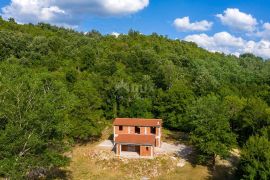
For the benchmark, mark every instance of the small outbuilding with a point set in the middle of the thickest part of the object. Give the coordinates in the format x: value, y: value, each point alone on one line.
x: 136, y: 136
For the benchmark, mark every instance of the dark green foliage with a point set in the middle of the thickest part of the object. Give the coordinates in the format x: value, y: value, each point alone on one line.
x: 255, y: 159
x: 211, y: 133
x: 172, y: 105
x: 57, y: 87
x: 33, y: 107
x: 253, y: 117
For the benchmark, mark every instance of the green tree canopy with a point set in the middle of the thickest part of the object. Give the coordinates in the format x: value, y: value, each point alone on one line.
x: 255, y: 159
x: 211, y: 134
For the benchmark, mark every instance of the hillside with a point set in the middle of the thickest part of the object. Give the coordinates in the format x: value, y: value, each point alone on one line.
x: 59, y: 88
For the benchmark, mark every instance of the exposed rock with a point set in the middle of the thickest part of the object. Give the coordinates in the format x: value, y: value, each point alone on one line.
x: 181, y: 163
x: 139, y: 168
x: 145, y: 178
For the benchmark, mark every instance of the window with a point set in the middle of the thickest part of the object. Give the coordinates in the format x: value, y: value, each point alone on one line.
x: 137, y: 130
x: 120, y: 128
x: 147, y: 148
x: 153, y: 130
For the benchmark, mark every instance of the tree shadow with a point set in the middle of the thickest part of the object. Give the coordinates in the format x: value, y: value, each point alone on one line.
x: 82, y: 142
x: 189, y: 154
x: 222, y: 172
x: 225, y: 169
x: 52, y: 173
x: 110, y: 137
x: 176, y: 137
x: 59, y: 174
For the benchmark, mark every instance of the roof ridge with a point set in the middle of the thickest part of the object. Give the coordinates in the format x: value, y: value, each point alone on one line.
x: 137, y: 122
x: 141, y: 118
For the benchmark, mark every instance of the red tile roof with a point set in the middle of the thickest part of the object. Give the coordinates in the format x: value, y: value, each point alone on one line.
x: 137, y: 122
x: 135, y: 139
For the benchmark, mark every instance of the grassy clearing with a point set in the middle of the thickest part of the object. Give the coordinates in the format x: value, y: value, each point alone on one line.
x: 89, y: 162
x: 92, y: 162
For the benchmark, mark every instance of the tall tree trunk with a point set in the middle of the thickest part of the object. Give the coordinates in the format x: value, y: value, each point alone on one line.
x: 214, y: 162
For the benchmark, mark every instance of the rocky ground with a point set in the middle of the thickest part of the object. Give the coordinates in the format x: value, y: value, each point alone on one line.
x: 167, y: 159
x: 172, y: 161
x: 135, y: 168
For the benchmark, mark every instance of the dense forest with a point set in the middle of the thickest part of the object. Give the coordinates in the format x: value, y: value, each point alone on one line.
x: 59, y: 87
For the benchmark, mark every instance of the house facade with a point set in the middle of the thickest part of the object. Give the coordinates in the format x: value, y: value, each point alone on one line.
x: 135, y: 135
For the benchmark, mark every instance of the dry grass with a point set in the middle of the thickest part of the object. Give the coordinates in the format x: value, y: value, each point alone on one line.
x: 188, y: 172
x: 93, y: 163
x: 85, y: 165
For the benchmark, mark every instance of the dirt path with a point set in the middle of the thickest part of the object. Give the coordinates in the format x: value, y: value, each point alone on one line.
x: 179, y: 149
x: 106, y: 144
